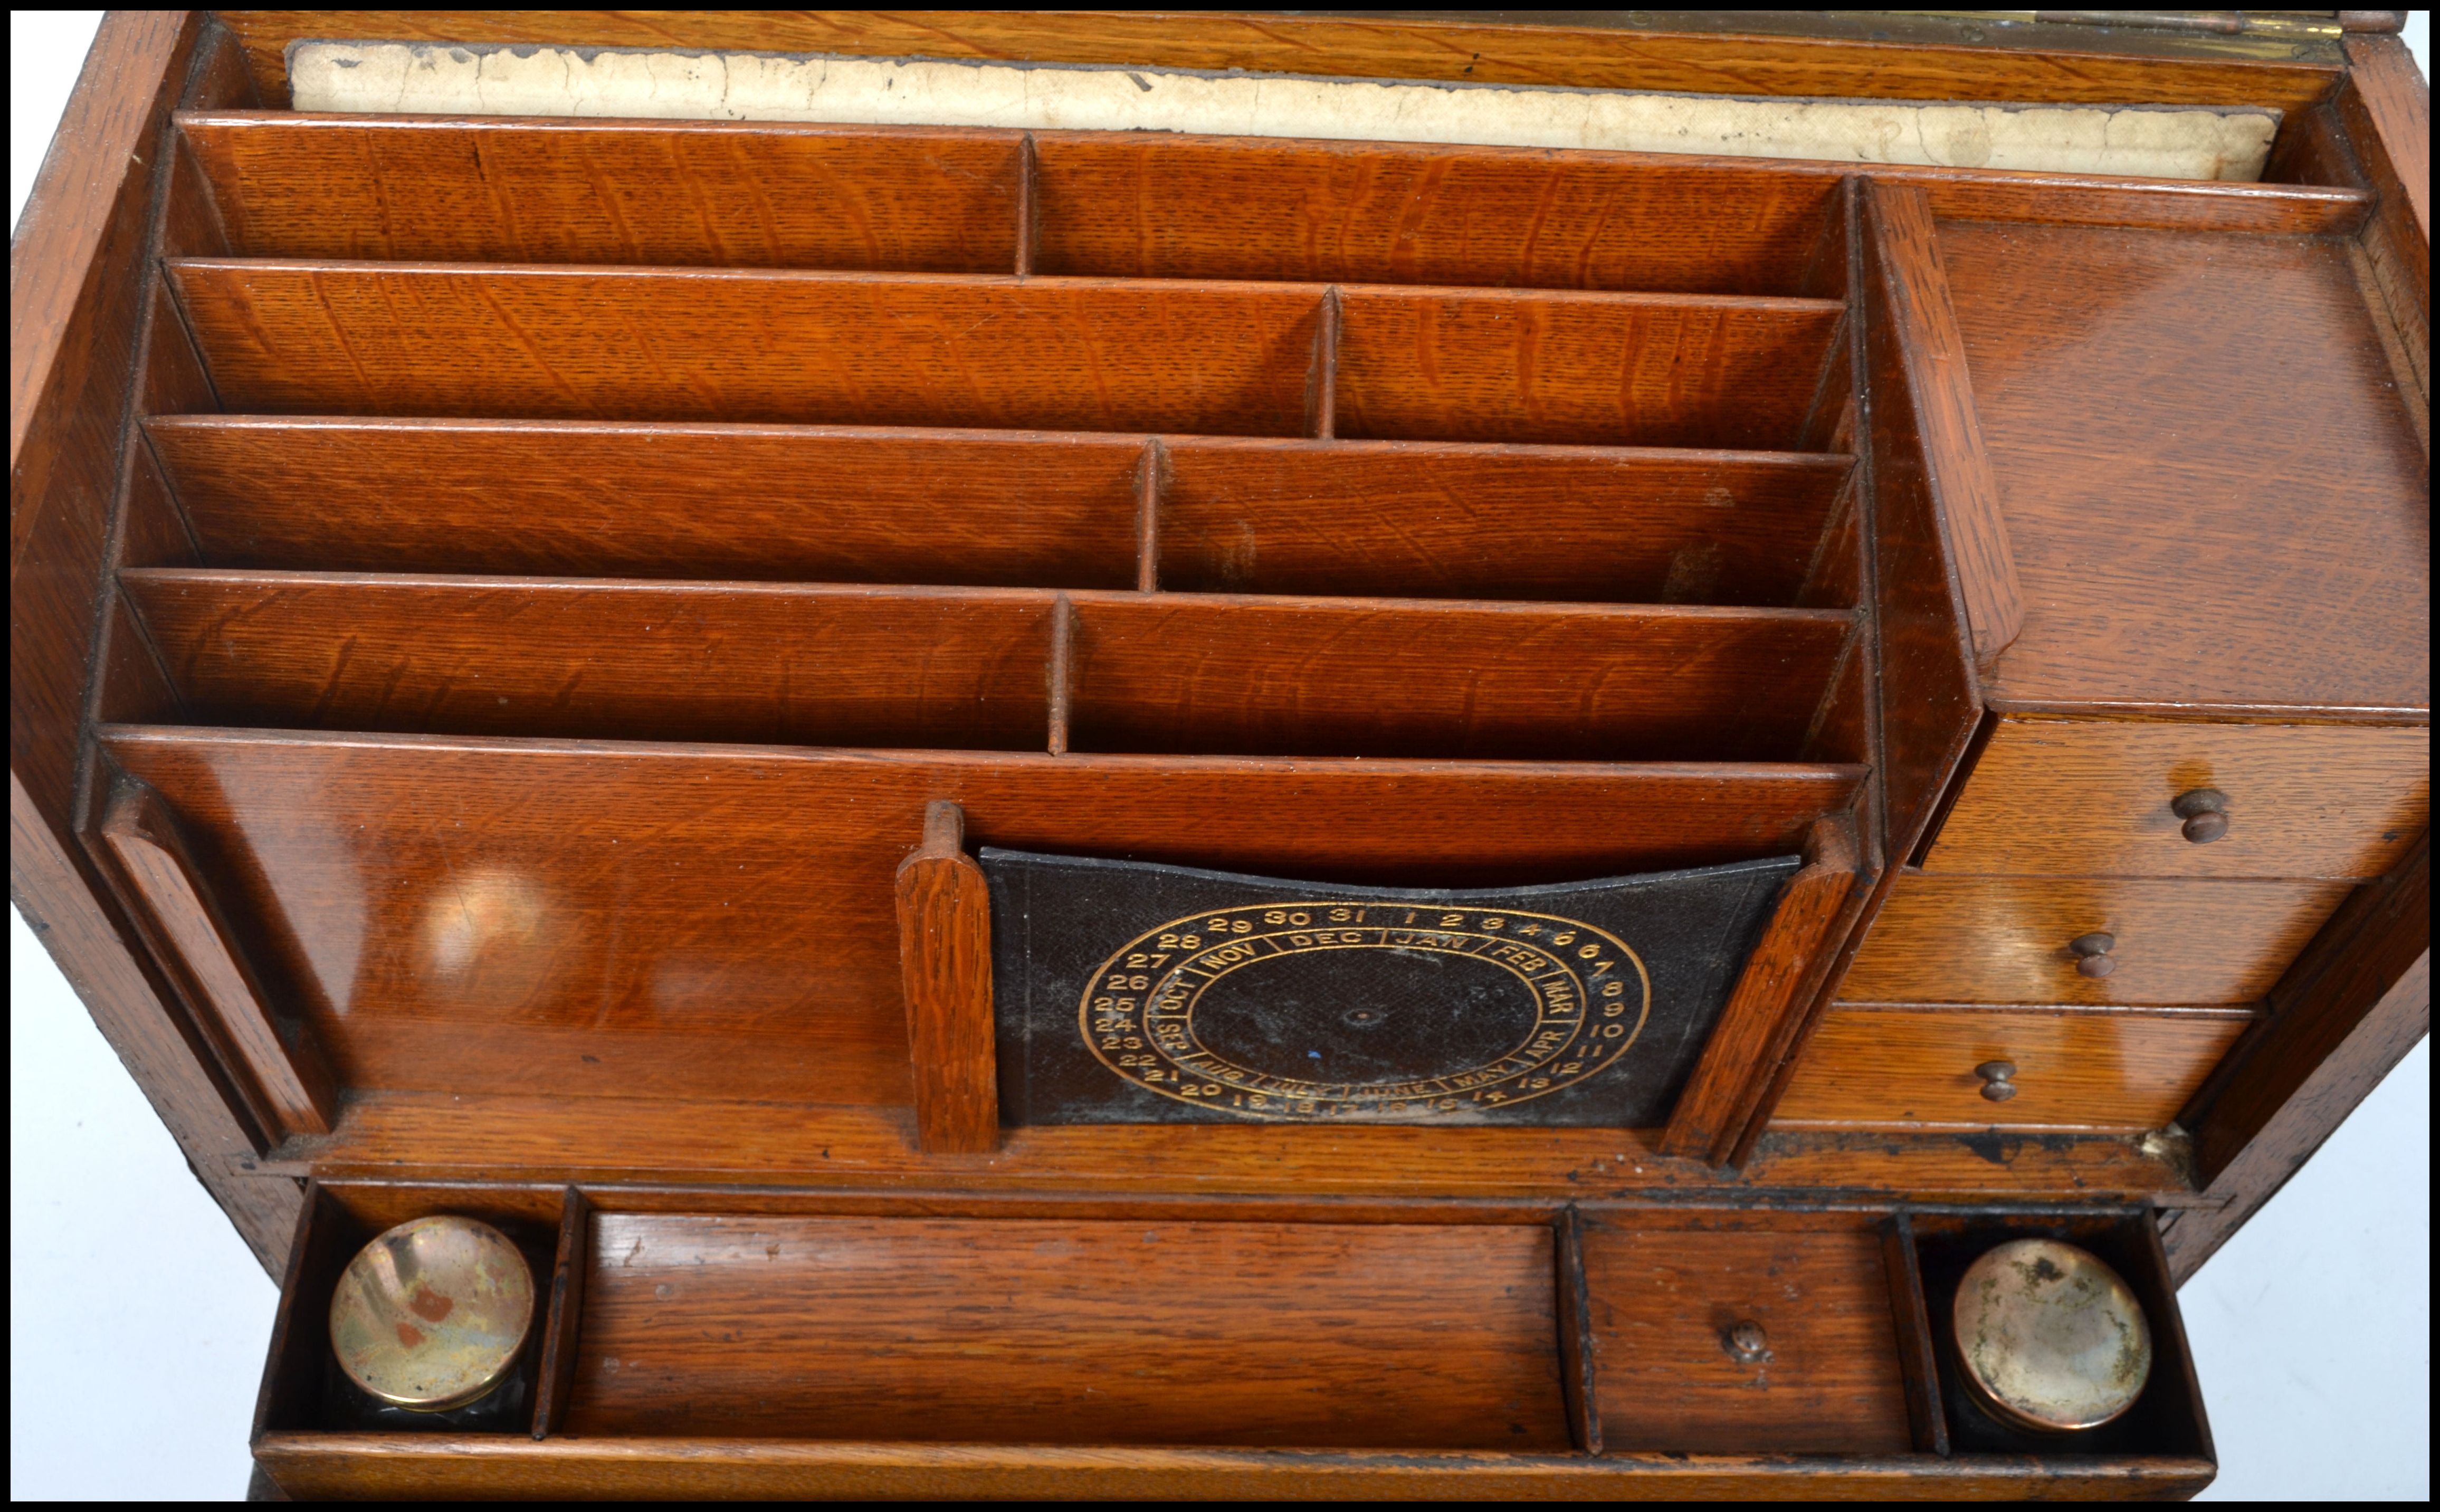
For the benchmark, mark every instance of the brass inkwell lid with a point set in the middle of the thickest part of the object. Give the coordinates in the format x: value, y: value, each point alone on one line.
x: 2050, y: 1337
x: 432, y: 1314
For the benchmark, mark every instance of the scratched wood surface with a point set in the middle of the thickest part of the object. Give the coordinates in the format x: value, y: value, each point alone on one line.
x: 2086, y: 797
x: 2074, y: 1070
x: 1031, y: 1332
x: 1877, y: 57
x: 420, y: 188
x: 2159, y: 410
x: 1953, y: 938
x: 1666, y: 1290
x: 644, y: 921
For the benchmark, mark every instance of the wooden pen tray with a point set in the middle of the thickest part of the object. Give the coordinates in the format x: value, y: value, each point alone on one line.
x: 733, y: 1346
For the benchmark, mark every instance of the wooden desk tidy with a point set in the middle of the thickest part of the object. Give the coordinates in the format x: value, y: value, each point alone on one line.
x: 523, y: 623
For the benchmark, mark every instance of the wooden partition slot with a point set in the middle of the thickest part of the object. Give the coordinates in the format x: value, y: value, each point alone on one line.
x: 946, y: 960
x: 1436, y: 520
x: 1137, y: 206
x: 677, y: 193
x: 571, y: 1266
x: 812, y: 503
x: 1339, y: 677
x: 275, y: 1062
x: 441, y: 339
x: 1591, y: 369
x: 863, y: 666
x: 1064, y: 1332
x: 1668, y: 1292
x: 536, y: 919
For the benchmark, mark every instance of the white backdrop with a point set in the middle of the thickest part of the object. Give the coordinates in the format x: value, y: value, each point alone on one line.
x: 137, y: 1321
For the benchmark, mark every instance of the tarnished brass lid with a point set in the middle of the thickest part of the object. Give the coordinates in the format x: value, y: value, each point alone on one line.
x: 2051, y: 1338
x: 431, y: 1315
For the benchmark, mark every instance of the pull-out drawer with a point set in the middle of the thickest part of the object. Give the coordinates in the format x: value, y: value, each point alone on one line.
x: 2014, y: 939
x: 1975, y: 1068
x: 2078, y: 798
x: 820, y: 1347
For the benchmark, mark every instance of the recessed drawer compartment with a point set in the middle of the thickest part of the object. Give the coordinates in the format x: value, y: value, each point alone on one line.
x: 2085, y: 797
x: 1669, y: 1291
x: 2028, y: 1068
x: 2086, y: 940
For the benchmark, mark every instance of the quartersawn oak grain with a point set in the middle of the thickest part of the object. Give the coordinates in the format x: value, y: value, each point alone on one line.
x: 484, y: 340
x: 1581, y: 370
x: 673, y: 193
x: 2194, y: 437
x: 2091, y: 797
x: 1666, y: 1289
x: 1044, y: 509
x: 1383, y: 1336
x: 767, y: 663
x: 2004, y: 939
x: 1916, y: 305
x: 661, y: 921
x: 1377, y: 677
x: 1915, y: 1067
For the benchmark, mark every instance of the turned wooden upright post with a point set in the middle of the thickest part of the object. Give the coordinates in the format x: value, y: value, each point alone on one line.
x: 944, y: 957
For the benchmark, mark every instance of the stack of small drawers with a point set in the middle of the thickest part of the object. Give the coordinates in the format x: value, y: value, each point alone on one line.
x: 2101, y: 915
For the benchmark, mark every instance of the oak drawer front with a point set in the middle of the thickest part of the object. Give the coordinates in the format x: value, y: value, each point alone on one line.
x: 1869, y: 1064
x: 2007, y: 939
x: 2088, y: 798
x: 1664, y: 1291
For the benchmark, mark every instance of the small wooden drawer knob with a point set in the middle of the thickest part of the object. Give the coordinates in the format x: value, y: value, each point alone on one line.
x: 2205, y: 811
x: 1999, y: 1079
x: 1745, y: 1341
x: 2093, y: 957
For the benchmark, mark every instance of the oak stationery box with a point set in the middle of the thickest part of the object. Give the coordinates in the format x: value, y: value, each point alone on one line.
x: 1261, y: 754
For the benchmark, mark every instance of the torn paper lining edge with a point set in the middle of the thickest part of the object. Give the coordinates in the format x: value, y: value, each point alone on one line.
x: 2151, y: 141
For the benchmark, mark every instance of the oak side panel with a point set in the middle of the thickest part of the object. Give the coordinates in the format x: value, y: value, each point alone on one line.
x: 767, y: 663
x: 2088, y: 798
x: 2195, y: 437
x: 812, y: 503
x: 2004, y: 939
x: 1375, y: 677
x: 1028, y: 1331
x: 2344, y: 1015
x: 1666, y: 1290
x: 1917, y: 309
x: 654, y: 922
x: 2074, y: 1070
x: 1581, y: 370
x: 673, y: 193
x: 442, y: 339
x: 2386, y: 106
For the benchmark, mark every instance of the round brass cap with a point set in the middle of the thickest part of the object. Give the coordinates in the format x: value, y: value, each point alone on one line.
x: 2051, y: 1338
x: 431, y: 1315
